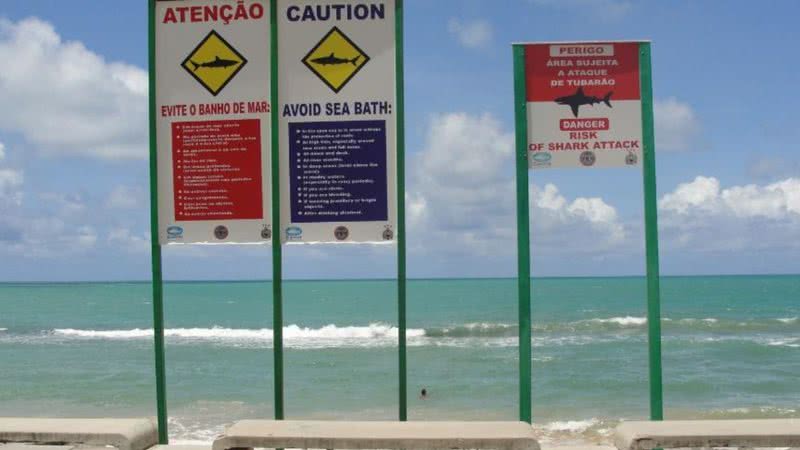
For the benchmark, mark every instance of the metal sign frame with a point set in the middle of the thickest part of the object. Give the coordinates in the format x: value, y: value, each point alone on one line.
x: 651, y: 233
x: 277, y: 258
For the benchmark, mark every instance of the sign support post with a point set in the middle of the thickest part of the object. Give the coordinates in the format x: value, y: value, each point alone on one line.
x: 401, y: 214
x: 651, y: 236
x: 341, y: 139
x: 523, y: 235
x: 209, y: 160
x: 554, y: 129
x: 277, y: 254
x: 158, y: 291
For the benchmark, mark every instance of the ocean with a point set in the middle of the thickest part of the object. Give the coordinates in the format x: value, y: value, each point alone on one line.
x: 731, y: 348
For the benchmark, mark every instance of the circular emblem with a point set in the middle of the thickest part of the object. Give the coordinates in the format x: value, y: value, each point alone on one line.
x: 631, y: 159
x: 388, y: 234
x: 221, y: 232
x: 587, y: 158
x: 341, y: 233
x: 266, y: 233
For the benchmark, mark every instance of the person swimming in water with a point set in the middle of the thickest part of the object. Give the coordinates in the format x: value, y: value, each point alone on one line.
x: 423, y: 394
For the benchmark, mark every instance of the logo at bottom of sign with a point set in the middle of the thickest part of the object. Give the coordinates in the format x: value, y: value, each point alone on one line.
x: 294, y: 233
x: 341, y: 233
x: 174, y: 232
x: 588, y: 158
x: 541, y: 159
x: 221, y: 232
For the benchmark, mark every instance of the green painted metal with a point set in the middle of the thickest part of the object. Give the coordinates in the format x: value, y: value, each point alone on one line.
x: 523, y: 234
x: 401, y: 213
x: 277, y: 257
x: 651, y: 236
x: 158, y: 282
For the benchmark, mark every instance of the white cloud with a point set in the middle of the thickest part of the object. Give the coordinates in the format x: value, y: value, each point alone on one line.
x: 125, y: 197
x: 69, y: 205
x: 125, y: 239
x: 676, y: 125
x: 701, y: 193
x: 10, y: 182
x: 606, y: 10
x: 585, y: 225
x: 778, y: 200
x: 701, y: 215
x: 463, y: 196
x: 56, y: 228
x: 67, y: 99
x: 773, y: 167
x: 50, y: 237
x: 471, y: 34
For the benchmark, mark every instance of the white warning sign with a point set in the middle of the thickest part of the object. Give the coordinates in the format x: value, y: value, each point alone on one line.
x: 213, y: 121
x: 584, y: 105
x: 337, y: 121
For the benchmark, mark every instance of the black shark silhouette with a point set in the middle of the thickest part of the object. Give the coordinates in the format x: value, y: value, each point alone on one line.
x: 216, y: 63
x: 578, y: 99
x: 333, y: 60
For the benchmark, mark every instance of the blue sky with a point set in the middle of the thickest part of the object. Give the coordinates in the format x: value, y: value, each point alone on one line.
x: 73, y: 169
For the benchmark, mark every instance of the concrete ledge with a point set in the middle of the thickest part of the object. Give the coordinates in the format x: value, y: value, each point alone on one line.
x: 181, y: 447
x: 708, y: 433
x: 577, y: 447
x: 124, y: 434
x: 378, y: 435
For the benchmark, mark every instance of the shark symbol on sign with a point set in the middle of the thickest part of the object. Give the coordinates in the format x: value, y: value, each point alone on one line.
x: 216, y: 63
x: 578, y: 99
x: 332, y: 60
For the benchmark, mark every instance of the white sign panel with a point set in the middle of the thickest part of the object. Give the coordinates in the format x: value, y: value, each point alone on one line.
x: 213, y: 121
x: 584, y: 105
x: 337, y: 120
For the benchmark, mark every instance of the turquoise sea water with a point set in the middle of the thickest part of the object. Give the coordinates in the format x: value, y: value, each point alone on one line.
x: 731, y: 349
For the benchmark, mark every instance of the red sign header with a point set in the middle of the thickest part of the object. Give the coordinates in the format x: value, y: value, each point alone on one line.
x: 597, y: 69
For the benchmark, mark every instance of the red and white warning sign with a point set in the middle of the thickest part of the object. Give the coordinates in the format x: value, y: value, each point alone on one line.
x: 584, y: 105
x: 213, y: 121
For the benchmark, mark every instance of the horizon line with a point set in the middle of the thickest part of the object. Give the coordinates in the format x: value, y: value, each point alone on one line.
x: 453, y: 278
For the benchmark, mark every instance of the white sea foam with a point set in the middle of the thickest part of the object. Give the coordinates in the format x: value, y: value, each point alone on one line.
x: 627, y: 321
x: 574, y: 432
x: 294, y: 335
x: 571, y: 426
x: 792, y: 342
x: 487, y: 325
x: 3, y: 329
x: 375, y: 330
x: 136, y: 333
x: 788, y: 319
x: 332, y: 336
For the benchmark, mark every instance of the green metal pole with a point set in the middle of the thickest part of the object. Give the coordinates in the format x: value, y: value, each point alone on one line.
x: 401, y: 212
x: 277, y: 266
x: 523, y: 234
x: 651, y: 236
x: 158, y: 292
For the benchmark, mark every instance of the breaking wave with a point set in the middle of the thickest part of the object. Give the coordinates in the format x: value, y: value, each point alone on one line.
x: 792, y: 343
x: 626, y: 321
x: 293, y: 335
x: 769, y: 331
